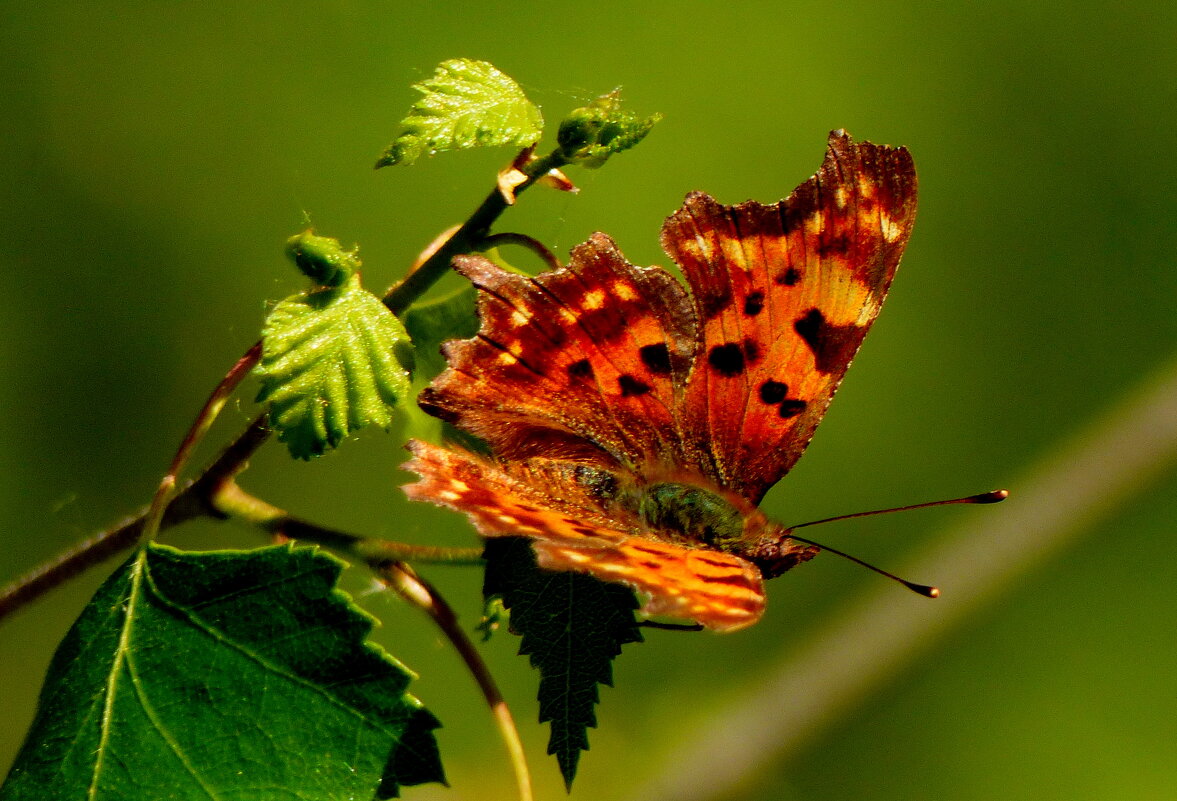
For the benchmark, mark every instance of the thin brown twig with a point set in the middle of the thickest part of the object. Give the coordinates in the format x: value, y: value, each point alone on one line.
x: 421, y: 594
x: 200, y: 426
x: 189, y: 503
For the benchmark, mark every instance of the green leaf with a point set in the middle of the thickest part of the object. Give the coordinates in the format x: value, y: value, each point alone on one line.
x: 231, y: 675
x: 590, y: 135
x: 453, y: 316
x: 465, y: 104
x: 332, y: 363
x: 572, y: 625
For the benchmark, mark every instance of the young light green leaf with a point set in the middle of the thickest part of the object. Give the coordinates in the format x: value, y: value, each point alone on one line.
x: 572, y: 625
x: 332, y: 363
x: 321, y: 258
x: 590, y: 135
x: 224, y: 675
x: 465, y: 104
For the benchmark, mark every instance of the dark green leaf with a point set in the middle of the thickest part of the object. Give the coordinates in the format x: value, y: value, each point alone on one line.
x: 465, y: 104
x: 590, y: 135
x: 231, y: 675
x: 430, y: 323
x: 572, y: 627
x: 332, y: 363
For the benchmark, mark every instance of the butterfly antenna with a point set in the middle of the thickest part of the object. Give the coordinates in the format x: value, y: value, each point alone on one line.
x: 985, y: 497
x: 923, y: 589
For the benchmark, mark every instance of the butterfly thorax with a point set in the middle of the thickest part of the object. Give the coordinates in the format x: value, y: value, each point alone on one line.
x: 691, y: 514
x: 699, y: 517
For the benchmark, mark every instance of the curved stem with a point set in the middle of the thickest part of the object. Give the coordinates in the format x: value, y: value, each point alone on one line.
x: 204, y: 420
x: 523, y: 240
x: 420, y: 593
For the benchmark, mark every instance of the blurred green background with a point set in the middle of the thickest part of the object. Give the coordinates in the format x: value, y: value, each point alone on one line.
x: 157, y: 155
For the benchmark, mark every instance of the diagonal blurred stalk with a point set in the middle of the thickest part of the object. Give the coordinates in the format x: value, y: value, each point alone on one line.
x: 1100, y: 469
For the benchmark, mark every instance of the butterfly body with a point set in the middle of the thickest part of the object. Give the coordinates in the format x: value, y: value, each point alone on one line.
x: 635, y: 423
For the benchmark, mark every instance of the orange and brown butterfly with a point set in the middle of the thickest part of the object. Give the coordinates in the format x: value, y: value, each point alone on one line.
x: 635, y: 424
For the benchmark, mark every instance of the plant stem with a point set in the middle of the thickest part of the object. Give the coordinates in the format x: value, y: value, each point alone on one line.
x: 232, y: 501
x: 470, y: 236
x: 170, y: 507
x: 204, y: 420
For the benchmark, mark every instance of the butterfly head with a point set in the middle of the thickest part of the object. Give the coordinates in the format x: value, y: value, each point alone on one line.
x: 769, y: 547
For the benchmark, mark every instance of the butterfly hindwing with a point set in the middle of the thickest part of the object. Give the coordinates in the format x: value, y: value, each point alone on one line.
x: 719, y: 590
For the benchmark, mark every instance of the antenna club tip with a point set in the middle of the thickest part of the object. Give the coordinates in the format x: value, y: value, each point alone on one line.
x: 997, y: 496
x: 925, y: 590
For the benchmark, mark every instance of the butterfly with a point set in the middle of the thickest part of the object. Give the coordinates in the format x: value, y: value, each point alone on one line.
x: 635, y: 423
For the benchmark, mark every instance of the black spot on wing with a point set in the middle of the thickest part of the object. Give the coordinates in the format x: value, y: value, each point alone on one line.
x: 792, y: 407
x: 773, y: 392
x: 727, y: 360
x: 713, y: 301
x: 631, y: 386
x: 656, y: 357
x: 580, y: 369
x: 751, y: 350
x: 754, y: 303
x: 835, y: 246
x: 790, y: 277
x: 832, y: 345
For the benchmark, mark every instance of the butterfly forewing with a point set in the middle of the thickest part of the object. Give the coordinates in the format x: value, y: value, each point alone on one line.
x: 591, y: 352
x: 785, y: 294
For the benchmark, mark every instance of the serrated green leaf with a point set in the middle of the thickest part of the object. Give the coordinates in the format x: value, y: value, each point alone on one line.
x: 572, y: 626
x: 590, y: 135
x: 231, y: 675
x: 331, y: 364
x: 465, y: 104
